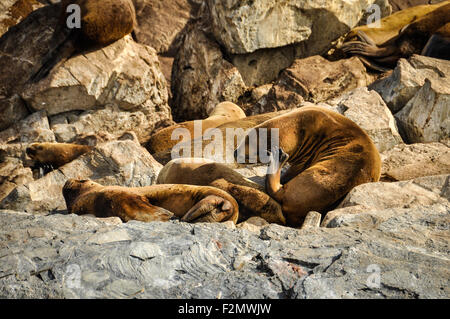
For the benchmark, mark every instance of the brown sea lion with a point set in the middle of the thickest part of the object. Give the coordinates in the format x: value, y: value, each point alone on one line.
x: 400, y: 35
x: 250, y: 196
x: 101, y: 23
x: 328, y: 153
x: 56, y: 154
x: 223, y: 112
x: 236, y: 128
x: 150, y: 203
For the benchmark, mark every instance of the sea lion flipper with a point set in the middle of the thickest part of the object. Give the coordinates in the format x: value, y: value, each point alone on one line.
x: 210, y: 209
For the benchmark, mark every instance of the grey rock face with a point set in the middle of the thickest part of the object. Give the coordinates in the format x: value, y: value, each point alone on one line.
x: 67, y: 256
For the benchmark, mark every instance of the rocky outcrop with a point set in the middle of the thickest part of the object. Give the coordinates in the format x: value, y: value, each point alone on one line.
x: 246, y: 26
x: 313, y: 79
x: 404, y: 162
x: 402, y: 255
x: 418, y: 93
x: 120, y: 162
x: 202, y: 78
x: 34, y: 128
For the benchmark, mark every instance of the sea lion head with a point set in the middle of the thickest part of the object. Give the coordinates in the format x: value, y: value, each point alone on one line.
x: 74, y: 188
x: 34, y: 150
x: 228, y: 109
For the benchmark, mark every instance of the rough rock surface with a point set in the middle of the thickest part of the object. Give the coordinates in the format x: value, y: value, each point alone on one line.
x: 402, y: 255
x: 368, y: 110
x: 124, y: 74
x: 123, y: 163
x: 202, y: 78
x: 404, y: 162
x: 160, y: 23
x: 313, y: 79
x: 246, y: 26
x: 34, y: 128
x: 408, y: 77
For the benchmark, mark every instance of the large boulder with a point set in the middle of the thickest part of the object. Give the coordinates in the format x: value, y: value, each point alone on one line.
x: 409, y: 77
x: 125, y: 76
x: 313, y: 79
x: 119, y: 162
x: 404, y: 162
x: 201, y: 77
x: 402, y: 255
x: 246, y: 26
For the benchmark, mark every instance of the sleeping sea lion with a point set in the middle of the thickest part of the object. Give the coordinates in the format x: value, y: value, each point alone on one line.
x: 150, y: 203
x: 250, y: 196
x: 328, y: 153
x: 416, y: 30
x: 223, y: 112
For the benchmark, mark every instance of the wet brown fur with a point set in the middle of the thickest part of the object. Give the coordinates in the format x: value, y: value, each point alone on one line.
x: 402, y: 34
x: 224, y: 112
x: 252, y: 199
x: 329, y: 155
x: 56, y: 154
x: 150, y: 203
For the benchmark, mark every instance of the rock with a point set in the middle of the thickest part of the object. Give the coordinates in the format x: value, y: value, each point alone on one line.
x: 34, y: 128
x: 160, y: 23
x: 12, y: 175
x: 368, y: 110
x: 426, y: 117
x: 403, y: 255
x: 246, y: 26
x: 123, y: 163
x: 13, y: 11
x: 202, y: 78
x: 422, y: 191
x: 313, y: 79
x: 405, y: 162
x: 253, y: 224
x: 312, y: 220
x: 21, y: 49
x: 124, y: 76
x: 124, y: 73
x: 409, y: 77
x: 263, y: 66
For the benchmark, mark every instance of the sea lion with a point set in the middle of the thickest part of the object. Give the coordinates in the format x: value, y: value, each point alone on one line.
x: 250, y: 196
x: 222, y: 113
x: 101, y: 23
x: 328, y: 153
x: 239, y: 128
x: 54, y: 155
x: 401, y: 34
x: 150, y: 203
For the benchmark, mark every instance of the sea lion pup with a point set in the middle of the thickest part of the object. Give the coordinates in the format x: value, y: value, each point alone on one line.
x: 222, y: 113
x: 237, y: 129
x: 101, y: 23
x: 54, y: 155
x: 329, y: 155
x: 150, y: 203
x: 250, y: 196
x: 402, y: 34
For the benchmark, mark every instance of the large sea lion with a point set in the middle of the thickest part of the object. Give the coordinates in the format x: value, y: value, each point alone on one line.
x: 250, y: 196
x: 223, y: 112
x: 237, y: 130
x: 101, y: 23
x: 150, y: 203
x: 416, y: 30
x: 54, y: 155
x: 328, y: 153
